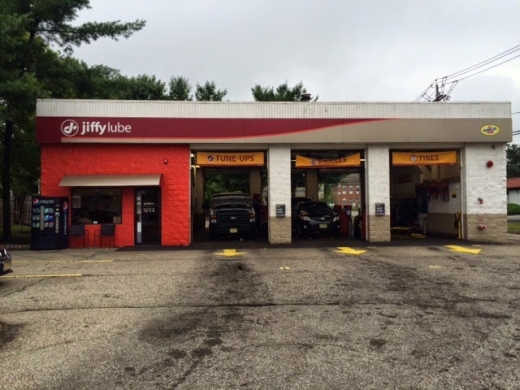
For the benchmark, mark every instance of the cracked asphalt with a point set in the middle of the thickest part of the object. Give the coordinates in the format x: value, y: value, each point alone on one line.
x: 394, y: 317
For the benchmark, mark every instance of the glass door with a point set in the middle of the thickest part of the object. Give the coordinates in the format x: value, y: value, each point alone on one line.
x: 148, y: 216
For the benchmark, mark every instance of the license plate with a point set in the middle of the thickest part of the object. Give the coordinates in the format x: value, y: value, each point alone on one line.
x: 233, y: 230
x: 323, y: 226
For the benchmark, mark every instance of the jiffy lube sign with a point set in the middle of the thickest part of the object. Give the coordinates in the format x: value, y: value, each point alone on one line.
x: 72, y: 128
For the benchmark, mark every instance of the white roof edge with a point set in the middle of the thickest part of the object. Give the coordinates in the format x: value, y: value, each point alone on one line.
x: 278, y: 103
x: 270, y: 110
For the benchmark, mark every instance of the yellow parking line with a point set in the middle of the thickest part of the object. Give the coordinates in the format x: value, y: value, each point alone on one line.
x: 41, y: 276
x: 462, y: 249
x: 61, y: 261
x: 350, y: 251
x: 229, y: 253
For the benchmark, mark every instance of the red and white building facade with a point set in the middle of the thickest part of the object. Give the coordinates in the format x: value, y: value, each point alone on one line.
x: 140, y: 146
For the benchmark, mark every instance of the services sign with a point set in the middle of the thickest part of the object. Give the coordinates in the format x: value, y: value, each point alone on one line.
x: 424, y: 158
x: 219, y: 159
x: 353, y: 160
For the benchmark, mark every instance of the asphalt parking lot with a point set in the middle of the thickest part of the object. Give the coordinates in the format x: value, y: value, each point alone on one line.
x: 233, y: 316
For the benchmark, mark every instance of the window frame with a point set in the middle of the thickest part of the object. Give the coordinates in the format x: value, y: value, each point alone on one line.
x: 74, y: 192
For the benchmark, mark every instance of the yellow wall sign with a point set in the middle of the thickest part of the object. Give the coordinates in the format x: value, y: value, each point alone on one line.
x: 489, y: 130
x: 424, y: 158
x: 349, y: 161
x: 217, y: 159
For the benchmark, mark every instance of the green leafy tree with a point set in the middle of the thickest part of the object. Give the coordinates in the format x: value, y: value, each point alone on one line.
x: 513, y: 160
x: 27, y: 29
x: 179, y: 89
x: 283, y: 93
x: 67, y: 77
x: 142, y: 87
x: 208, y: 92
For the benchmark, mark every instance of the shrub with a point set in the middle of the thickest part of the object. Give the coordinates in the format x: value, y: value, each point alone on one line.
x: 513, y: 209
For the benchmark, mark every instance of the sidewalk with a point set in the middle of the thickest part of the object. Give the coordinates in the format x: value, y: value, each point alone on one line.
x: 513, y: 239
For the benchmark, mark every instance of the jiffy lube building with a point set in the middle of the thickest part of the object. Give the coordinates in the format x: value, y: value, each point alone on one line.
x: 147, y: 167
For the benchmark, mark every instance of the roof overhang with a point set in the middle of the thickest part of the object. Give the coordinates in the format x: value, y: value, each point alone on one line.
x: 110, y: 180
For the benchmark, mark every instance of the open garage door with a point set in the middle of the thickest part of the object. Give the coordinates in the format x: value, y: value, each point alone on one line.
x: 425, y: 194
x: 217, y: 173
x: 332, y: 177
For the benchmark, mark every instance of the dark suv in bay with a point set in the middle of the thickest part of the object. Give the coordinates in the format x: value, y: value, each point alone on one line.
x: 232, y: 215
x: 315, y: 219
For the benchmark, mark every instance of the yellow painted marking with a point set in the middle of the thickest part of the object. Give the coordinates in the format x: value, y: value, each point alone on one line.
x: 462, y: 249
x: 350, y: 251
x: 60, y: 261
x: 284, y: 268
x: 42, y: 276
x: 230, y: 253
x: 435, y: 267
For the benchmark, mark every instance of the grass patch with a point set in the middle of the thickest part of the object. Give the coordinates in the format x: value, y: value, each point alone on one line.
x: 513, y: 227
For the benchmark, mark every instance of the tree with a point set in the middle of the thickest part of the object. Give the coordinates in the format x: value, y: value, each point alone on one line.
x: 283, y: 93
x: 513, y: 160
x: 142, y: 87
x: 27, y: 30
x: 179, y: 89
x: 209, y: 92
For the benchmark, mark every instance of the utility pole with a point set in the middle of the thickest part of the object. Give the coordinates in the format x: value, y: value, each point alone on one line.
x: 439, y: 97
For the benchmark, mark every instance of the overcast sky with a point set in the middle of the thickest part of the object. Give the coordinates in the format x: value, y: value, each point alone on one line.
x: 342, y: 50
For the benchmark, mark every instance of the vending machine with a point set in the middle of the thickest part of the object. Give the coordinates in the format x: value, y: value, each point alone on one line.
x: 49, y: 218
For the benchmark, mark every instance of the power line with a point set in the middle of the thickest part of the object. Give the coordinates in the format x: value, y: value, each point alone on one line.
x: 483, y: 63
x: 491, y: 67
x: 438, y: 85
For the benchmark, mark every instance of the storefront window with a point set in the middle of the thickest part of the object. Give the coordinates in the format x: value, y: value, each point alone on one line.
x: 96, y: 205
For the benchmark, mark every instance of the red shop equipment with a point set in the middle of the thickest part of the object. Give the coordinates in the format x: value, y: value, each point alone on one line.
x: 345, y: 221
x: 265, y: 214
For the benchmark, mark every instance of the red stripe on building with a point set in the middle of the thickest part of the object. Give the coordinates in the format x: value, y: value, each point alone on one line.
x: 53, y: 129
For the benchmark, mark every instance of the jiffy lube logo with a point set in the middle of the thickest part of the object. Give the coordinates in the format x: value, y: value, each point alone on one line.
x: 71, y: 128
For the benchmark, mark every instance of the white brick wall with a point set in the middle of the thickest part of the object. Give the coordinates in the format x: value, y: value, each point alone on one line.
x: 377, y: 181
x: 490, y: 184
x: 377, y: 172
x: 279, y: 179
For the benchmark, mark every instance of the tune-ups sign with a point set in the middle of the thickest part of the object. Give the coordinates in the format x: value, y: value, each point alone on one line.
x: 230, y: 159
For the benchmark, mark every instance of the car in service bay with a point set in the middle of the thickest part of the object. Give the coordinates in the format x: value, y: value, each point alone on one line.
x: 315, y: 219
x: 232, y: 215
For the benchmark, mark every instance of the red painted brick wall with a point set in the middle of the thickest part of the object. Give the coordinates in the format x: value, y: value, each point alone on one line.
x: 59, y: 160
